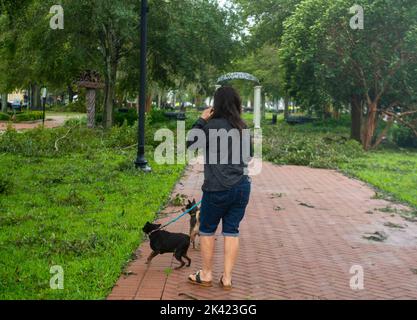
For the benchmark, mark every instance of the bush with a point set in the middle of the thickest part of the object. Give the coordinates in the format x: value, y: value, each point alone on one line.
x: 28, y: 116
x: 4, y: 116
x: 130, y: 117
x: 77, y: 106
x: 74, y: 122
x: 121, y: 136
x: 157, y: 116
x: 286, y: 145
x: 404, y: 137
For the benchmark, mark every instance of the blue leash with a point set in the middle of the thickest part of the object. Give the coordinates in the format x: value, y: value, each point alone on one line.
x: 181, y: 215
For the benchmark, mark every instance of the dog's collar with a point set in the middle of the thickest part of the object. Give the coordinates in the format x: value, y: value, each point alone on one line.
x: 152, y: 232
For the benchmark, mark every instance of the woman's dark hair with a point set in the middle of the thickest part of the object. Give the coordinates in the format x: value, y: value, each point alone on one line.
x: 228, y: 105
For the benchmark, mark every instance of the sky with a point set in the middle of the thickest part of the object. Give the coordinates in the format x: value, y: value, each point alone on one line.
x: 222, y: 2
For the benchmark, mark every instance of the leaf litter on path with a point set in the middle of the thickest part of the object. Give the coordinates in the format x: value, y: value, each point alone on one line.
x: 393, y: 225
x: 378, y: 236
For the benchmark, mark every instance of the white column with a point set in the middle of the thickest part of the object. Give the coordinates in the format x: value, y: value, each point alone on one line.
x: 217, y: 87
x: 174, y: 98
x: 257, y: 115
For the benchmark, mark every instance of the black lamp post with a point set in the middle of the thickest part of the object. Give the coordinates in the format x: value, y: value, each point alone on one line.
x: 141, y: 162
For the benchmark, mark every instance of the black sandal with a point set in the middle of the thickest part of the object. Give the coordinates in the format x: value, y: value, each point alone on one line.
x: 199, y: 282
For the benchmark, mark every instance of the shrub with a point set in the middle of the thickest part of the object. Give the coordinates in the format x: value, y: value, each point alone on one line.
x: 4, y: 116
x: 157, y: 116
x: 73, y: 122
x: 130, y: 116
x: 123, y: 136
x: 299, y: 145
x: 77, y: 106
x: 404, y: 137
x: 28, y: 116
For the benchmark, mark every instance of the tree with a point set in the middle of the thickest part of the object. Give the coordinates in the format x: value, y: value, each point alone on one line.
x: 325, y: 59
x: 265, y: 19
x: 266, y: 25
x: 187, y: 40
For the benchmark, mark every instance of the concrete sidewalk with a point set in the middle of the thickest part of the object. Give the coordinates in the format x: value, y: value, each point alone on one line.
x: 303, y: 232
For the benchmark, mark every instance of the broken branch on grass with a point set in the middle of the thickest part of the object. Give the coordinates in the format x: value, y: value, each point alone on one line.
x: 59, y: 139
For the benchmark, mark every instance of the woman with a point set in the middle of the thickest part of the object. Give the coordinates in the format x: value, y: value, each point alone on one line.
x: 226, y: 188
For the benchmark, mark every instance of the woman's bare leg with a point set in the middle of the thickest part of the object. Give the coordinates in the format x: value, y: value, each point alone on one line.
x: 207, y: 252
x: 231, y: 250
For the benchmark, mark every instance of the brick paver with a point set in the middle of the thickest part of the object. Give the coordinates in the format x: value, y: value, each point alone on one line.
x: 302, y: 234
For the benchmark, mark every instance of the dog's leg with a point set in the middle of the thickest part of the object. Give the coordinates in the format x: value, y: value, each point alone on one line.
x: 188, y: 259
x: 193, y: 236
x: 151, y: 256
x: 180, y: 260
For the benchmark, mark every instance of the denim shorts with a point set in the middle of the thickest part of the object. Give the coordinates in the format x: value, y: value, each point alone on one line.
x: 226, y: 206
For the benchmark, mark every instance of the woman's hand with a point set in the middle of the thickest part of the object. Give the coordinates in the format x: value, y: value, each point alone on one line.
x: 207, y: 114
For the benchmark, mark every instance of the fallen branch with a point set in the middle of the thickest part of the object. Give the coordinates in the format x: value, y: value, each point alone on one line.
x: 401, y: 120
x: 59, y: 139
x: 383, y: 133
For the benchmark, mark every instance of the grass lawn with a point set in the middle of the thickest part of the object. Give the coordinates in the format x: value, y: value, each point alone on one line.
x: 390, y: 171
x: 81, y: 208
x: 65, y: 114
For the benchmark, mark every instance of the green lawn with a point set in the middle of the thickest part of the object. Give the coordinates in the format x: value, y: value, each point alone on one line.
x: 65, y: 114
x: 390, y: 171
x: 82, y: 208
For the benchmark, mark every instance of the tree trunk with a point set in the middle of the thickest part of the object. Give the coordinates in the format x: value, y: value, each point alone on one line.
x: 70, y: 94
x: 198, y: 102
x: 286, y: 108
x: 36, y: 103
x: 148, y: 106
x: 3, y: 102
x: 159, y: 100
x: 110, y: 92
x: 384, y: 133
x: 356, y: 115
x: 370, y: 126
x: 91, y: 108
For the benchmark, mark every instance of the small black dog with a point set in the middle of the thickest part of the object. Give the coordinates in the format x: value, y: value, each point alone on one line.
x: 194, y: 221
x: 166, y: 242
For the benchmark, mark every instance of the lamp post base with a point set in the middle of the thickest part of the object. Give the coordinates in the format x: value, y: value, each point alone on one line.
x: 142, y: 164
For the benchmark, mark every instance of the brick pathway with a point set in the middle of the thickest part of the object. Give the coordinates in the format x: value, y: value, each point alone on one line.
x: 51, y: 122
x: 303, y: 232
